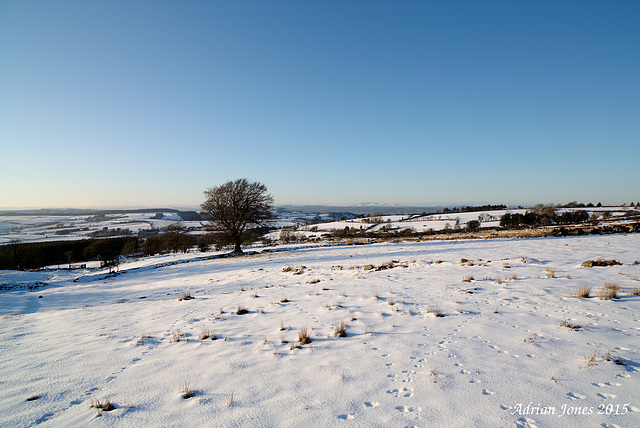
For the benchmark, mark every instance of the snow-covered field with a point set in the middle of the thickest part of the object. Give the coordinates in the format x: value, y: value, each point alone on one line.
x: 499, y: 356
x: 39, y: 228
x: 68, y: 227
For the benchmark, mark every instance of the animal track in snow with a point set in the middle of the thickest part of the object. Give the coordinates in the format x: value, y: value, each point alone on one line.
x: 347, y: 417
x: 600, y: 384
x: 605, y: 395
x: 404, y: 392
x: 576, y: 396
x: 408, y: 409
x: 526, y: 423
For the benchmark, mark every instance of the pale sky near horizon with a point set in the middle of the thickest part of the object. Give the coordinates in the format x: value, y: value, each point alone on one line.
x: 148, y: 103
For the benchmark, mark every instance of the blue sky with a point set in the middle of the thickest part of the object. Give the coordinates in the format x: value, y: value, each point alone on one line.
x: 148, y: 103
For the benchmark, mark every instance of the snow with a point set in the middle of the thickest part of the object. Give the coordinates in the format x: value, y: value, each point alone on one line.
x: 497, y: 355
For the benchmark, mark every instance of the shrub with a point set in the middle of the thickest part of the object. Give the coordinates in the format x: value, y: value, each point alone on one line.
x: 601, y: 263
x: 242, y: 310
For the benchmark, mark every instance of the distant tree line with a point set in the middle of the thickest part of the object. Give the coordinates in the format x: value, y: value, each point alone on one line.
x: 35, y: 255
x: 469, y: 209
x: 542, y: 216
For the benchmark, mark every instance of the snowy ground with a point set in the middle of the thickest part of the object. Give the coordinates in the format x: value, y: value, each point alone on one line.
x: 498, y: 357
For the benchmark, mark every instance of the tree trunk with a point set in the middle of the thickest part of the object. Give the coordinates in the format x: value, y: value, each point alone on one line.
x: 237, y: 249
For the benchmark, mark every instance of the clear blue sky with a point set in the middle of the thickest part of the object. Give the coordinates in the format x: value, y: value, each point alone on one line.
x: 148, y: 103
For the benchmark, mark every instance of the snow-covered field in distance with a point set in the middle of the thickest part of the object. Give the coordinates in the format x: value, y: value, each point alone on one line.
x: 514, y: 347
x: 39, y: 228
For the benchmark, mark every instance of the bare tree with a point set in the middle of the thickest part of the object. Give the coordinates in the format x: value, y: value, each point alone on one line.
x: 236, y: 206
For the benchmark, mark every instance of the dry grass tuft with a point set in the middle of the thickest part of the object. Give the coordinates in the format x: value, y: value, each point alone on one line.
x: 340, y: 330
x: 467, y: 278
x: 570, y: 325
x: 583, y: 292
x: 609, y: 291
x: 107, y: 406
x: 611, y: 355
x: 303, y: 336
x: 176, y: 336
x: 435, y: 310
x: 186, y: 296
x: 635, y: 291
x: 550, y: 272
x: 186, y: 392
x: 205, y: 333
x: 143, y: 337
x: 242, y: 310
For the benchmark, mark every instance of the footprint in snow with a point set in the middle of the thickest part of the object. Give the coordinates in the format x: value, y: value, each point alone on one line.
x: 604, y: 395
x: 404, y: 392
x: 487, y: 392
x: 370, y: 404
x: 601, y: 384
x: 526, y: 423
x: 576, y: 396
x: 347, y: 417
x: 408, y: 409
